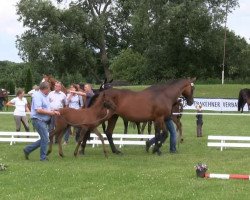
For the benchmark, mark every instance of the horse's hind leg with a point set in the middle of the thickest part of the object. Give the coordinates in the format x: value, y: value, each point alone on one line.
x: 157, y: 139
x: 143, y: 127
x: 158, y: 142
x: 149, y: 127
x: 125, y: 122
x: 101, y: 138
x: 103, y: 127
x: 111, y: 125
x: 138, y: 125
x: 84, y: 142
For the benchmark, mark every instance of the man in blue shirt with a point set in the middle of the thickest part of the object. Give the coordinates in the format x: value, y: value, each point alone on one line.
x: 40, y: 116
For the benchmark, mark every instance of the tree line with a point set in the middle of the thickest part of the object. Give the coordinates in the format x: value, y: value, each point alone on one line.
x: 137, y: 41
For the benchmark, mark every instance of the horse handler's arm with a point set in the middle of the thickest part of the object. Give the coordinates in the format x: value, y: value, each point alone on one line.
x: 78, y: 92
x: 10, y: 104
x: 48, y: 112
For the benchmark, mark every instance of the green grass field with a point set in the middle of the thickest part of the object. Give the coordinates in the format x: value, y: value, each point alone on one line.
x: 136, y: 174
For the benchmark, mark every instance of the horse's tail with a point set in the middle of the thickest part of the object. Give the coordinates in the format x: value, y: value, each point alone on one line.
x: 240, y: 101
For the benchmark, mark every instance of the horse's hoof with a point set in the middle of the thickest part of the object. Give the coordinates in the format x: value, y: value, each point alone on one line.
x: 118, y: 152
x: 147, y: 146
x: 81, y: 153
x: 159, y: 152
x: 155, y: 150
x: 182, y: 140
x: 61, y: 155
x: 48, y: 153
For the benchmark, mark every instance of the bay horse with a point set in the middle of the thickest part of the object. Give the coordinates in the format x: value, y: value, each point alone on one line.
x: 244, y: 98
x: 107, y: 85
x: 87, y: 119
x: 151, y: 104
x: 177, y: 108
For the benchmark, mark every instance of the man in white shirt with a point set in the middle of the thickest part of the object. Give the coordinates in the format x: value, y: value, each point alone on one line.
x: 57, y: 100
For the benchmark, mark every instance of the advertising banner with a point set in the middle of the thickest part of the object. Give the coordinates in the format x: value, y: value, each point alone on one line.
x: 213, y: 104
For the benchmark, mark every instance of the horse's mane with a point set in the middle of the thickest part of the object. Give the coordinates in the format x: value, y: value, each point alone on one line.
x: 166, y: 84
x: 93, y: 99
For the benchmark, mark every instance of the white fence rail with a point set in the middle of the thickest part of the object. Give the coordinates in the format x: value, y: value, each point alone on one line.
x: 119, y: 139
x: 228, y: 141
x: 14, y: 137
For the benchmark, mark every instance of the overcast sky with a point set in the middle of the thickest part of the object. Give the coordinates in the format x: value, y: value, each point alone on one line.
x: 238, y: 21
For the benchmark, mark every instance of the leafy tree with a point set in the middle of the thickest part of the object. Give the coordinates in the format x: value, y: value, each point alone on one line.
x: 28, y: 81
x: 156, y: 39
x: 129, y: 66
x: 75, y: 38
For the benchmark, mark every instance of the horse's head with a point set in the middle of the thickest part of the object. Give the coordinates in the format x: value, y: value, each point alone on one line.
x: 108, y: 102
x: 188, y: 91
x: 106, y: 85
x: 101, y: 100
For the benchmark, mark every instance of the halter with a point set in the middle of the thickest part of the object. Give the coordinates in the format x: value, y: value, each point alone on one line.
x: 107, y: 113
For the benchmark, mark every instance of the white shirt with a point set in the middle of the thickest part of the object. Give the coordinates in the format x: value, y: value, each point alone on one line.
x: 20, y: 105
x: 57, y: 100
x: 31, y: 92
x: 75, y: 101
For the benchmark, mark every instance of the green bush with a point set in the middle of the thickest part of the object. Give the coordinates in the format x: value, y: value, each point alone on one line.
x: 28, y: 81
x: 8, y: 85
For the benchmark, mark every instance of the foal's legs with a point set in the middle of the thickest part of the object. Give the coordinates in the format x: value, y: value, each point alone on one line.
x: 101, y: 138
x: 82, y: 134
x: 59, y: 140
x: 51, y: 135
x: 58, y: 131
x: 84, y: 141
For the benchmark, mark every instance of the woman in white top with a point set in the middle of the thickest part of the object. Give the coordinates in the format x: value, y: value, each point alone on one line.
x: 73, y: 101
x: 20, y: 104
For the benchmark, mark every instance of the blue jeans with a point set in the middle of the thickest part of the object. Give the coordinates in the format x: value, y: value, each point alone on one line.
x: 162, y: 137
x: 42, y: 129
x: 1, y: 103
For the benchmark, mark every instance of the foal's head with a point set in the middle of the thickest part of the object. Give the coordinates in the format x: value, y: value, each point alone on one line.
x: 188, y: 91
